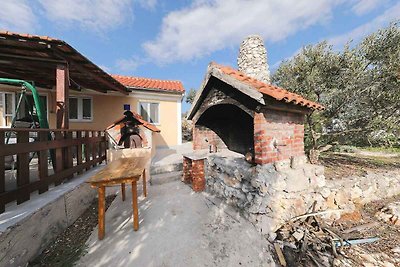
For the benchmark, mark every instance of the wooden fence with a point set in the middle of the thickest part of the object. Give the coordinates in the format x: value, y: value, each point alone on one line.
x: 66, y: 152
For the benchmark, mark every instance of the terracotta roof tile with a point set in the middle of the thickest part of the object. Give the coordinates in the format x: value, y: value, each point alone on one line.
x: 147, y: 83
x: 268, y: 89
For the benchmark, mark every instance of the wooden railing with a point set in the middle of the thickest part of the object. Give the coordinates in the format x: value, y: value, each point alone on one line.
x: 53, y: 155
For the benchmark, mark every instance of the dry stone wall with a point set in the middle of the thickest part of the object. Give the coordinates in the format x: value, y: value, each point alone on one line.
x: 271, y: 194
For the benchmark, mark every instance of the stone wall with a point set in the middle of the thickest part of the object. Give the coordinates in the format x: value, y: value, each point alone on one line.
x: 271, y: 194
x: 252, y: 59
x: 278, y: 135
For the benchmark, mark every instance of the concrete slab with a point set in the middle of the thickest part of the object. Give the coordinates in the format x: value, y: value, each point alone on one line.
x: 171, y: 155
x: 177, y: 228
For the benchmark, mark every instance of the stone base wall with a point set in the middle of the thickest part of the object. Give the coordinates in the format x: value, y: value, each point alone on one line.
x: 271, y: 194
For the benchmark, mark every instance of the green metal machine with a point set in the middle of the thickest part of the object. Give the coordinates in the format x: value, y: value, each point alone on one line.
x: 39, y: 108
x: 40, y: 111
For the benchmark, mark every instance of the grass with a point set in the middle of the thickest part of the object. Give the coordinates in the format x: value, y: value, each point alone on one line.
x: 381, y: 149
x: 339, y: 165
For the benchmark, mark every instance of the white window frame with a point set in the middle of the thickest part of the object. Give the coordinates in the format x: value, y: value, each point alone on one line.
x: 147, y: 103
x: 3, y: 104
x: 80, y: 109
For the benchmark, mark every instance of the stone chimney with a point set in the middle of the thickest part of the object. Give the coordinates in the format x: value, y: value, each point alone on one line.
x: 252, y: 59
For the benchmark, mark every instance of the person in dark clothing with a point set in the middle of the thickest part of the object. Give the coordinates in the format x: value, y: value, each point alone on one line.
x: 130, y: 131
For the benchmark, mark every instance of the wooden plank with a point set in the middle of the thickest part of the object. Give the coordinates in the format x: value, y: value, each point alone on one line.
x: 43, y: 163
x: 2, y: 172
x: 87, y: 149
x: 101, y: 211
x: 68, y: 157
x: 10, y: 196
x: 22, y: 168
x: 99, y: 150
x: 79, y: 150
x: 119, y: 169
x: 94, y: 147
x: 135, y: 206
x: 59, y: 159
x: 12, y: 149
x: 62, y: 96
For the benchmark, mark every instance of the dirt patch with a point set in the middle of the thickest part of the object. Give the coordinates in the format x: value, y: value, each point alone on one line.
x: 379, y: 252
x: 67, y: 248
x: 341, y: 165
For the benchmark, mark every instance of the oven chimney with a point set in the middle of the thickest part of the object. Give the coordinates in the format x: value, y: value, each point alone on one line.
x: 252, y: 59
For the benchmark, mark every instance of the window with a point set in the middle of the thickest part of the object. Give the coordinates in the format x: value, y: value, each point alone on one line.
x: 7, y: 108
x: 80, y: 108
x: 150, y: 111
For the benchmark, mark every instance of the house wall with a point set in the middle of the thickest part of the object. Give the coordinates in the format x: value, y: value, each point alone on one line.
x: 109, y: 107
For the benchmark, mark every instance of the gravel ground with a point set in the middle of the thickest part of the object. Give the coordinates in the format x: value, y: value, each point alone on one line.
x: 69, y: 246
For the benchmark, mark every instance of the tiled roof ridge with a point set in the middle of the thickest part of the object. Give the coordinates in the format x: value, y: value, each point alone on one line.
x: 150, y: 83
x: 268, y: 89
x: 144, y: 78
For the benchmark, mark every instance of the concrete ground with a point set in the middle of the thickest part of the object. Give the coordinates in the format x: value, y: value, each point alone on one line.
x: 177, y: 228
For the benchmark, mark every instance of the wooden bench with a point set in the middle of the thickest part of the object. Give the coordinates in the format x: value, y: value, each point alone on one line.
x: 120, y: 171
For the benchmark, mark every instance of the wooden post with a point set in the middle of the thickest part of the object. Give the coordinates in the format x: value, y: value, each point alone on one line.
x: 43, y: 164
x: 102, y: 207
x: 79, y: 150
x: 144, y: 183
x: 123, y: 191
x: 68, y: 157
x: 23, y: 168
x: 59, y: 157
x: 62, y: 96
x: 87, y: 149
x: 2, y: 172
x: 135, y: 206
x: 94, y: 148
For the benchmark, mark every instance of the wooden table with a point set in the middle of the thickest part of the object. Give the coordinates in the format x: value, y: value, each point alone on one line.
x: 120, y: 171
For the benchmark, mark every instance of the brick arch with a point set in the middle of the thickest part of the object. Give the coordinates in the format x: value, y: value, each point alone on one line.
x: 225, y: 125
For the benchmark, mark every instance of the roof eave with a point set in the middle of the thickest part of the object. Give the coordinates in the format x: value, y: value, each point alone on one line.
x: 214, y: 71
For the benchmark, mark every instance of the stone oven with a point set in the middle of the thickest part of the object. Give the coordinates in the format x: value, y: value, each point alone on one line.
x: 235, y: 110
x: 237, y: 113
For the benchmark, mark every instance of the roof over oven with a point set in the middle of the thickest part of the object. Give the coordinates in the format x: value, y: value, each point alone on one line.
x: 251, y: 87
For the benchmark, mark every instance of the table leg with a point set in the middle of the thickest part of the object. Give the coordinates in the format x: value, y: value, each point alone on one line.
x: 144, y: 183
x: 101, y: 208
x: 123, y: 191
x: 135, y: 206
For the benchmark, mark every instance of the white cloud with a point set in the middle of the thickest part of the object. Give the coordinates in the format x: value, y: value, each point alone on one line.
x: 94, y: 15
x: 356, y: 34
x: 148, y: 4
x: 210, y: 25
x: 16, y: 15
x: 128, y: 64
x: 362, y: 7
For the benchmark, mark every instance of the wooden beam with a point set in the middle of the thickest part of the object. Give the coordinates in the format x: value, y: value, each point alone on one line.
x: 62, y: 97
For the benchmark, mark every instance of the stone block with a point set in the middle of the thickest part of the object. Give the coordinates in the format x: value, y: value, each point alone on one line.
x: 317, y: 181
x: 282, y: 165
x: 297, y: 162
x: 296, y: 181
x: 231, y: 181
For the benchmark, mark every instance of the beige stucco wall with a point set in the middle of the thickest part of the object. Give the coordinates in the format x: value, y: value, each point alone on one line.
x: 109, y: 107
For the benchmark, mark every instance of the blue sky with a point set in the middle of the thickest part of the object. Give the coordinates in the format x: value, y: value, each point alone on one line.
x: 177, y: 39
